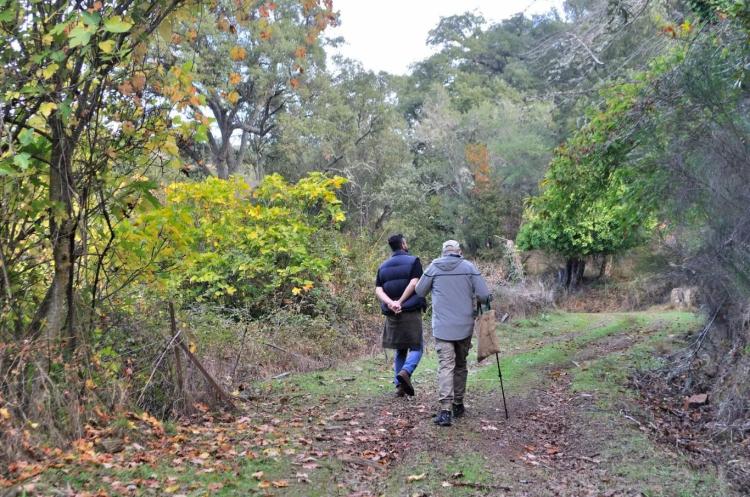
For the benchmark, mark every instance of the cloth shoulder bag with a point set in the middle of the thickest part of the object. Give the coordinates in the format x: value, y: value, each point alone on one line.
x: 484, y: 328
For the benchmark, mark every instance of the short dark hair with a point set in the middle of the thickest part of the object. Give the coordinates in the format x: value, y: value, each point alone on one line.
x: 395, y: 241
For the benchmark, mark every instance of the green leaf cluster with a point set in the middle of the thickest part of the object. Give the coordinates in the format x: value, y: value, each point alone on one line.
x: 592, y: 200
x: 224, y: 242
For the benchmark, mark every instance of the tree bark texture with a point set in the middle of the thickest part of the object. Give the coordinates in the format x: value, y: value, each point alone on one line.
x: 573, y: 274
x: 59, y: 315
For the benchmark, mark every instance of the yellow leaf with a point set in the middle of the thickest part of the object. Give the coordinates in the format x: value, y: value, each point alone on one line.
x: 90, y: 385
x: 192, y: 347
x: 50, y: 70
x: 170, y: 146
x: 296, y: 291
x: 233, y: 97
x: 271, y: 452
x: 172, y: 489
x: 107, y: 46
x: 47, y: 40
x: 235, y: 78
x: 419, y: 477
x: 280, y: 483
x: 4, y: 413
x: 237, y: 53
x: 46, y: 108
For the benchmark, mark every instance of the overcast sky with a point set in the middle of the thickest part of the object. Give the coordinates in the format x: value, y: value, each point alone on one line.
x: 389, y: 35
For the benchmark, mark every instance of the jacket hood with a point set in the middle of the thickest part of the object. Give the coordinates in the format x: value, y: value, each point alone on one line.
x: 448, y: 262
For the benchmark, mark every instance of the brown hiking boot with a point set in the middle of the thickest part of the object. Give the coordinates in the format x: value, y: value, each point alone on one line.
x: 404, y: 381
x: 400, y: 391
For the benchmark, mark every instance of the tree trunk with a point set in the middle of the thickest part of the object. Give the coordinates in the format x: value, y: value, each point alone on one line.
x: 59, y: 315
x: 603, y: 267
x: 222, y: 171
x: 383, y: 218
x: 574, y: 268
x: 580, y: 268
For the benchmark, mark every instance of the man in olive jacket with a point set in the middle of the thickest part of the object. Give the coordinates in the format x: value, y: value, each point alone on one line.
x: 456, y: 286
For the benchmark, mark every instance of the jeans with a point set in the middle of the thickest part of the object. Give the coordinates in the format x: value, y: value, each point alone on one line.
x: 407, y: 359
x: 452, y: 370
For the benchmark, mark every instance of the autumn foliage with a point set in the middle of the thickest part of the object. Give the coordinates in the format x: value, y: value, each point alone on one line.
x: 222, y: 241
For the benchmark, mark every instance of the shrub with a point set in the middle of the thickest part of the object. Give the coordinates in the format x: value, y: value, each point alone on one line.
x: 223, y: 242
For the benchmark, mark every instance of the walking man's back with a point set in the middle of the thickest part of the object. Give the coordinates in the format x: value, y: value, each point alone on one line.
x: 394, y: 286
x: 456, y: 286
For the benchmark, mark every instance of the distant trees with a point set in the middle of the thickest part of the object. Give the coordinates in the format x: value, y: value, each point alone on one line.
x: 245, y: 68
x: 481, y: 135
x: 345, y: 124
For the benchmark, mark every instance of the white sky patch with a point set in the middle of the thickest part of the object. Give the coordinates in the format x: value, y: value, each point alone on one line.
x: 390, y: 35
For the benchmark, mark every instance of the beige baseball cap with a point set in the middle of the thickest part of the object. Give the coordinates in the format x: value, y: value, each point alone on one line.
x: 451, y: 246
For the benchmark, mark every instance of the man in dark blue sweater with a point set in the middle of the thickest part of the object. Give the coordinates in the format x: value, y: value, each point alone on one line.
x: 394, y: 287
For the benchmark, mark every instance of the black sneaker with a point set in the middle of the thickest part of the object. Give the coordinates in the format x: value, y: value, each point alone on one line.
x: 458, y: 410
x: 444, y: 418
x: 404, y: 382
x: 400, y: 391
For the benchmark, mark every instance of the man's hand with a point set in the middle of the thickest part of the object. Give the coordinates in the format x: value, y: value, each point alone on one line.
x: 395, y: 307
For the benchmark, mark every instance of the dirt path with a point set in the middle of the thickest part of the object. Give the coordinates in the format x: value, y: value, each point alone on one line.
x: 559, y: 441
x: 549, y: 446
x: 343, y: 433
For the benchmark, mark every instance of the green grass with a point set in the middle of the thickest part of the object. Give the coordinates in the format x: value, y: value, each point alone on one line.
x: 607, y: 376
x: 526, y: 332
x: 366, y: 377
x: 525, y: 369
x: 437, y: 468
x: 193, y: 481
x: 630, y: 454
